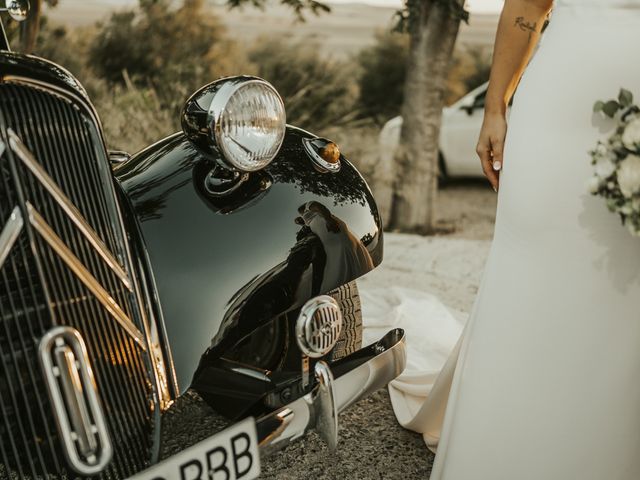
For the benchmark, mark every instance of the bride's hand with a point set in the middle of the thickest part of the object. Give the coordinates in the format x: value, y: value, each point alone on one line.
x: 491, y: 145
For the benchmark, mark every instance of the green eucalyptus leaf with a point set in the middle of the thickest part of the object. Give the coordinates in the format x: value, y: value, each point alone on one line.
x: 625, y: 97
x: 597, y: 107
x: 611, y: 108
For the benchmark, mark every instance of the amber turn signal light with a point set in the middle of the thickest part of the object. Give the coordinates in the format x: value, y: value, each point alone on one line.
x: 330, y: 153
x: 324, y: 153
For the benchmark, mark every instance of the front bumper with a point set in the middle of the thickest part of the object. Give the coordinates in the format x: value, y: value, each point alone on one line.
x: 340, y: 385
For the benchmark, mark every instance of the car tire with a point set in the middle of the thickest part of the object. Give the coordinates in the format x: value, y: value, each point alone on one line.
x: 350, y: 339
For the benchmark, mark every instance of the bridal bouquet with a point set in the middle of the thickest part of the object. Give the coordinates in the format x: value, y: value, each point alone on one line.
x: 616, y: 161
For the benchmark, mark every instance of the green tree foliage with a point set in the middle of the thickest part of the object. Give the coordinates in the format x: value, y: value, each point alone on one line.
x: 298, y: 6
x: 173, y: 51
x: 470, y: 68
x: 318, y: 92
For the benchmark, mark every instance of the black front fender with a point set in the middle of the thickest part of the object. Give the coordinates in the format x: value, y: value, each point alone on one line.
x: 224, y: 265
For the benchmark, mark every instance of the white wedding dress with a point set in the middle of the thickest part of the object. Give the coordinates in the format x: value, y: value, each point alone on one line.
x: 544, y: 383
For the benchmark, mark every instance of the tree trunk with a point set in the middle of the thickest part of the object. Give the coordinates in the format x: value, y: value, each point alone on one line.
x: 30, y: 27
x: 432, y: 42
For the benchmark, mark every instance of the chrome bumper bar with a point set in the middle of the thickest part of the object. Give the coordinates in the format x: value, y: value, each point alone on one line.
x: 340, y: 385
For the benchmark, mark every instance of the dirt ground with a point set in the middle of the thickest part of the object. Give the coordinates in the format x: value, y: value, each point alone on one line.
x: 470, y: 207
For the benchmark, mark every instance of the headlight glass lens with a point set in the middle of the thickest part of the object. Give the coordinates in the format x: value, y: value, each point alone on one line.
x: 251, y: 126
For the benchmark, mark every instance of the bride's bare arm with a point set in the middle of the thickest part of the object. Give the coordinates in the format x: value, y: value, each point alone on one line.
x: 519, y: 29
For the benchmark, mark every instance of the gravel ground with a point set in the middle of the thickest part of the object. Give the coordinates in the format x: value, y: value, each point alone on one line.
x: 469, y: 207
x: 372, y: 444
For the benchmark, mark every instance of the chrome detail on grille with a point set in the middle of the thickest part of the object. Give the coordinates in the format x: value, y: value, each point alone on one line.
x: 72, y: 390
x: 318, y: 326
x: 69, y: 208
x: 10, y: 233
x: 84, y: 275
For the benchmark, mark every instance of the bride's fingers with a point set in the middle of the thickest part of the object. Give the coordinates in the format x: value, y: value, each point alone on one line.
x: 487, y: 164
x: 497, y: 146
x: 496, y: 150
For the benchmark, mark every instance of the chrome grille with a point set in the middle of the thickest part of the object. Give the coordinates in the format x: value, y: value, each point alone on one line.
x: 67, y: 265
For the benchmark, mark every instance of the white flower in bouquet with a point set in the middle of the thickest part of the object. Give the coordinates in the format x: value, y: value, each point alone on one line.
x: 593, y: 185
x: 626, y: 209
x: 604, y: 167
x: 616, y: 161
x: 631, y: 135
x: 601, y: 149
x: 616, y: 144
x: 629, y: 175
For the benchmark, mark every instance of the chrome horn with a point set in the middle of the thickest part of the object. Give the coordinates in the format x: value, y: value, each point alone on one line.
x: 17, y: 9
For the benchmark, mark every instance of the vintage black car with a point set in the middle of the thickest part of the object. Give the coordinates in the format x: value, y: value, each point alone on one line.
x: 220, y: 260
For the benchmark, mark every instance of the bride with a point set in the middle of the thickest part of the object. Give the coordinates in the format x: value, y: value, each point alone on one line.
x: 545, y: 380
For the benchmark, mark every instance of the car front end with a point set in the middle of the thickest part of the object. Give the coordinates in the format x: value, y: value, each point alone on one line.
x: 221, y: 260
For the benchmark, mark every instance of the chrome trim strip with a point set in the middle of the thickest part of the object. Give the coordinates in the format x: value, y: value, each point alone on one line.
x: 69, y: 208
x: 65, y: 363
x: 10, y: 233
x: 84, y: 275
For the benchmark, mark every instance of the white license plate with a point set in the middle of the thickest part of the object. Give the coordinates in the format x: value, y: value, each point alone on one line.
x: 229, y: 455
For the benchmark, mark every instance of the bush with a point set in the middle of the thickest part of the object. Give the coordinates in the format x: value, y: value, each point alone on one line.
x: 171, y: 51
x: 69, y: 48
x: 318, y: 92
x: 133, y: 117
x: 470, y: 68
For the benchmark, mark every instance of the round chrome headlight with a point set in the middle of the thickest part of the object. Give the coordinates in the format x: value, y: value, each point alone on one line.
x: 247, y: 120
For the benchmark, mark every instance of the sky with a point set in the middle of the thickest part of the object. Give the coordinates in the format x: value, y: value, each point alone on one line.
x: 479, y: 6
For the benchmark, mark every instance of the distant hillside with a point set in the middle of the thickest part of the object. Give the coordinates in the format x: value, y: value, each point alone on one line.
x: 345, y: 31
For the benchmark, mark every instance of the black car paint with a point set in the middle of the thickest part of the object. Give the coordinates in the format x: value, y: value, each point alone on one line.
x: 37, y: 69
x: 225, y: 266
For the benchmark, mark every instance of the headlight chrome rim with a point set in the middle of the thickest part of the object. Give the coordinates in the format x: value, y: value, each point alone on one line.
x: 217, y: 109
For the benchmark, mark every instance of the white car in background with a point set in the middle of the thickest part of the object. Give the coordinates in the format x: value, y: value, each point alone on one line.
x: 461, y: 123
